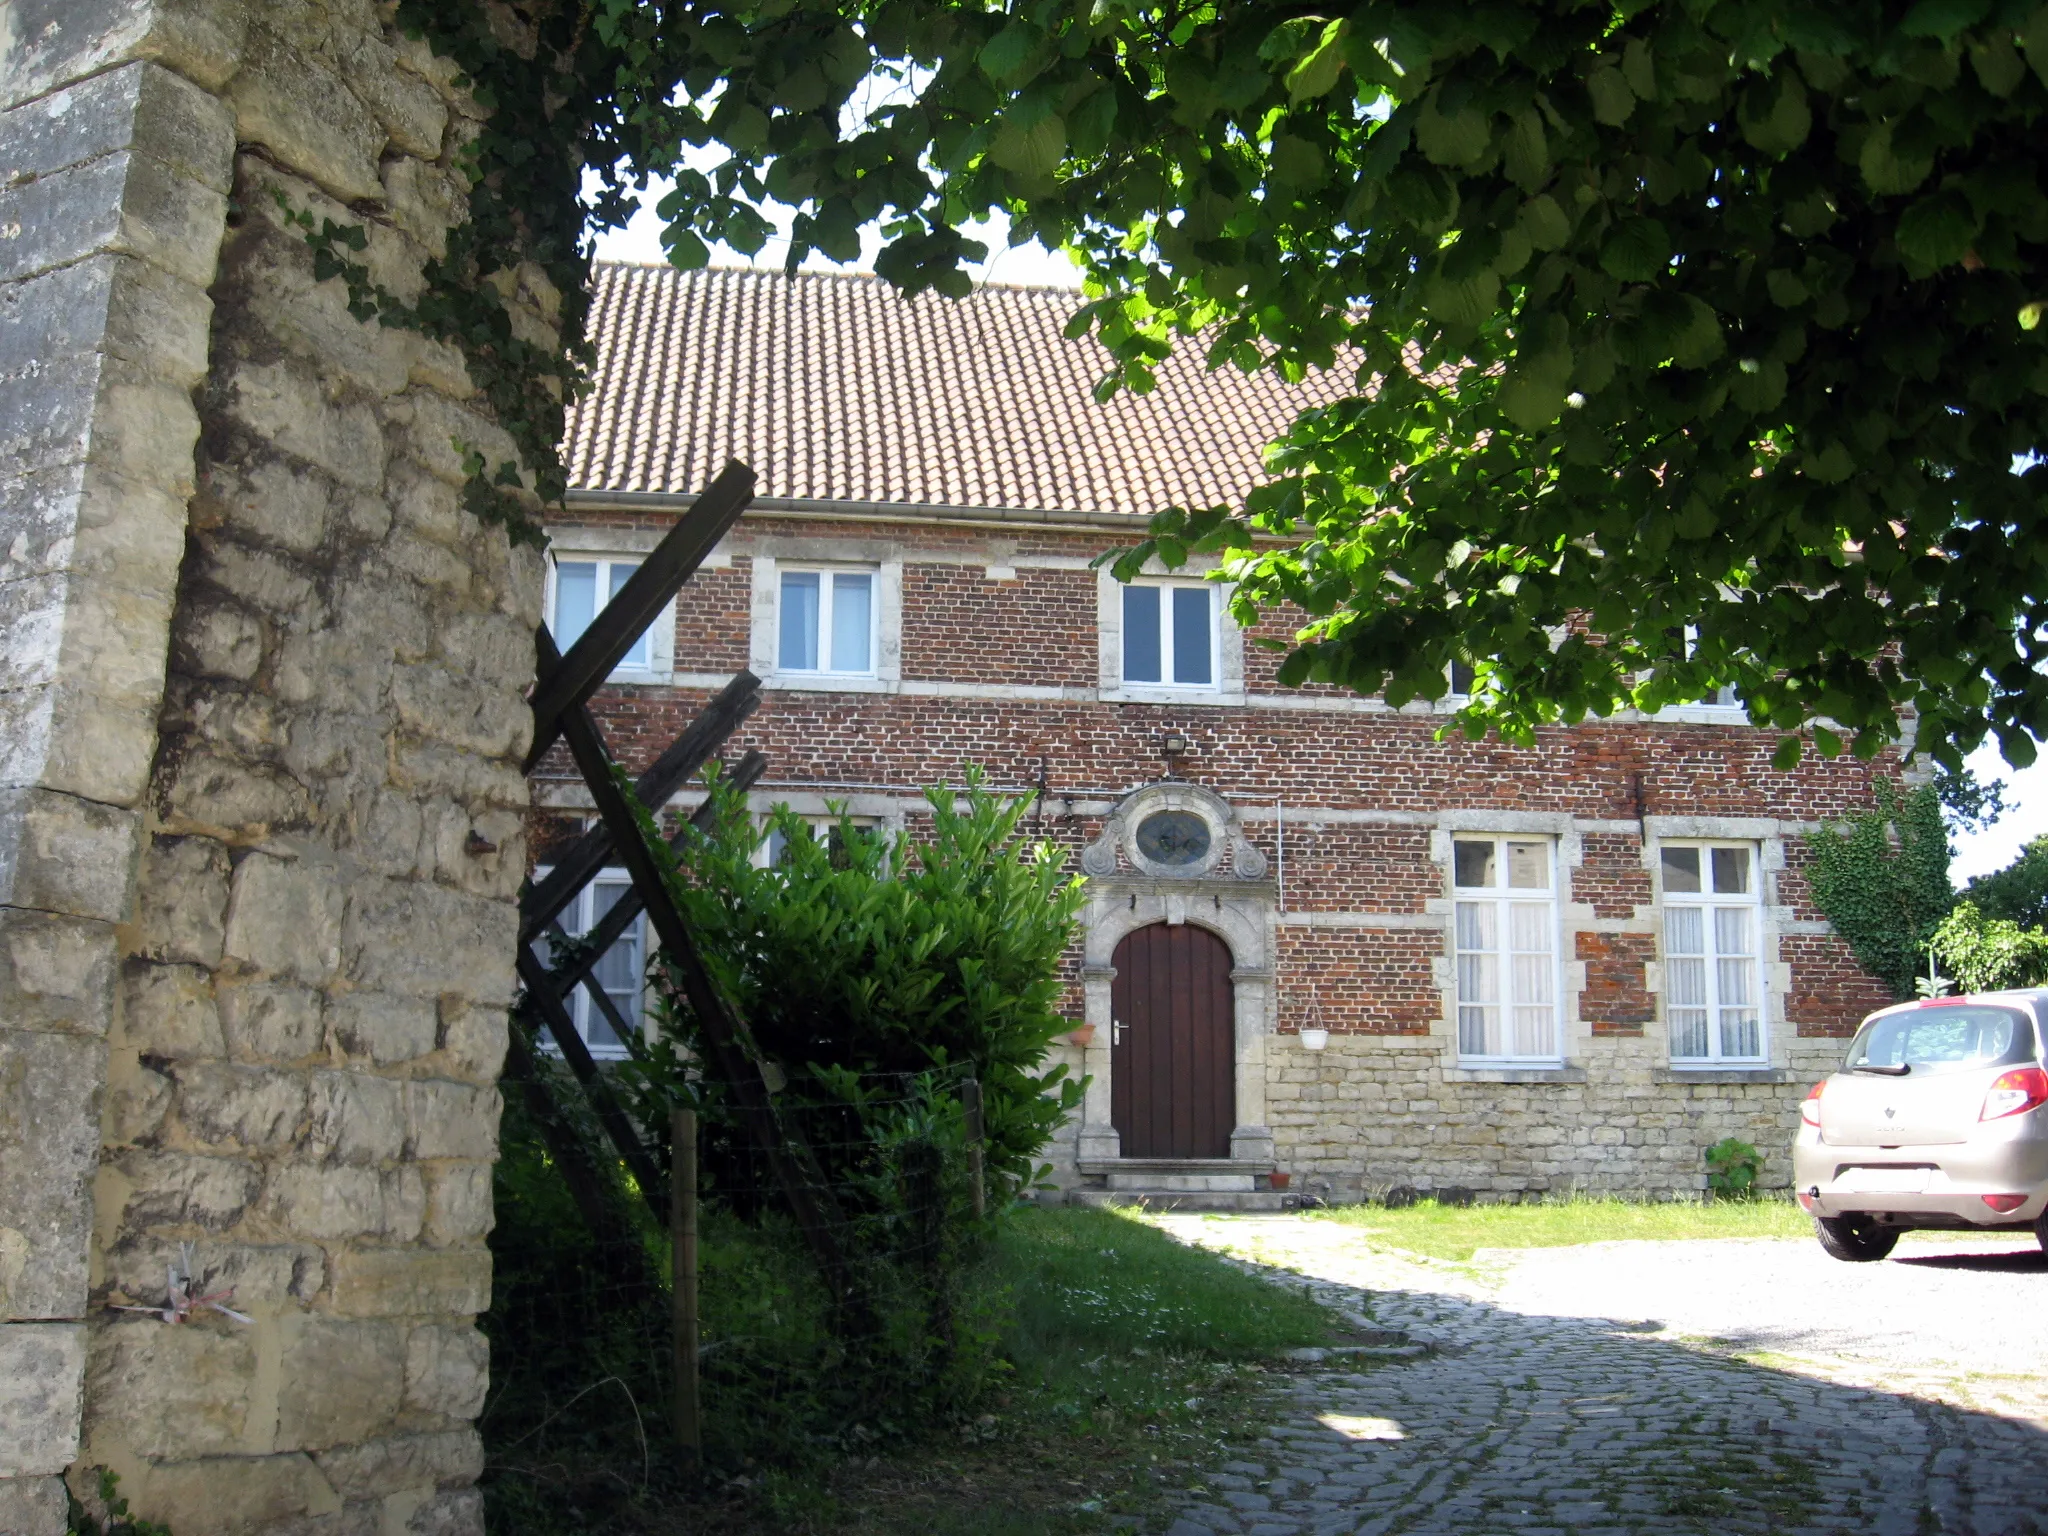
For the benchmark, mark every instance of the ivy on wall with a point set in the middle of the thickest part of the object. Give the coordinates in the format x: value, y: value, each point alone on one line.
x: 1882, y: 881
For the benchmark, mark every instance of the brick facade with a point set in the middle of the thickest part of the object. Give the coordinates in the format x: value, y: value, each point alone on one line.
x: 1001, y: 663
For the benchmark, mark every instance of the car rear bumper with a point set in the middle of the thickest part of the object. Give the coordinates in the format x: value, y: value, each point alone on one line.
x: 1834, y: 1180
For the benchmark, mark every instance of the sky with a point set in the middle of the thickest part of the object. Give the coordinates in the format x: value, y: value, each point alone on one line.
x: 1976, y: 854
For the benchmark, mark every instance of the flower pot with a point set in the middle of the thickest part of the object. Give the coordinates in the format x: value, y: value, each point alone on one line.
x: 1314, y: 1039
x: 1278, y: 1180
x: 1081, y: 1036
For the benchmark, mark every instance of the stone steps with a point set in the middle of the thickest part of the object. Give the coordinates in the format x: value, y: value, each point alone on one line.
x: 1270, y: 1200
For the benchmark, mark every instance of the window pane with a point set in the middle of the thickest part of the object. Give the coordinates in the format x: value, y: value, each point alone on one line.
x: 1191, y: 635
x: 852, y: 621
x: 1685, y: 982
x: 1473, y: 864
x: 1141, y: 635
x: 1529, y: 929
x: 1731, y: 871
x: 799, y: 621
x: 1479, y: 1031
x: 1684, y: 931
x: 1688, y: 1033
x: 1535, y: 1032
x: 1732, y: 931
x: 1529, y: 866
x: 1462, y: 677
x: 639, y: 656
x: 1476, y: 927
x: 575, y: 599
x: 1681, y: 869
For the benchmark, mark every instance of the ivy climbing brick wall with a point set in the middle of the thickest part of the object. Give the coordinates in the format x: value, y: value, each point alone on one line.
x: 260, y: 799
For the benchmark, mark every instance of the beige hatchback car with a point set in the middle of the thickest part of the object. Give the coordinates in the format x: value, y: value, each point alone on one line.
x: 1935, y: 1120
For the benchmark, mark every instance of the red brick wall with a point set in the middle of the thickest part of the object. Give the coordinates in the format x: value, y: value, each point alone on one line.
x: 1374, y: 981
x: 1616, y: 1000
x: 962, y: 628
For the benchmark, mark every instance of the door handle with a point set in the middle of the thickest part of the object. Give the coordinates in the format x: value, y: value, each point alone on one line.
x: 1116, y: 1032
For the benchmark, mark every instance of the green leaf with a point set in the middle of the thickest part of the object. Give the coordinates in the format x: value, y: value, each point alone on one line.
x: 1943, y: 19
x: 684, y: 249
x: 1015, y: 55
x: 1774, y: 115
x: 1613, y: 101
x: 1030, y: 147
x: 1785, y: 288
x: 1936, y: 232
x: 1533, y: 394
x: 1884, y: 169
x: 1701, y: 341
x: 1544, y: 223
x: 1458, y: 138
x: 1461, y: 303
x: 1637, y: 251
x: 1525, y: 154
x: 1638, y: 68
x: 1298, y: 163
x: 1320, y: 67
x: 1785, y: 756
x: 1832, y: 465
x: 1998, y: 64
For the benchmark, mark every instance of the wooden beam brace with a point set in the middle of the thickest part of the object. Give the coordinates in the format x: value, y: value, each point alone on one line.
x: 727, y: 1041
x: 547, y: 898
x: 639, y: 602
x: 607, y: 930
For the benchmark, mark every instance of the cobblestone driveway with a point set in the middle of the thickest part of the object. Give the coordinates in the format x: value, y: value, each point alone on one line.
x: 1737, y: 1386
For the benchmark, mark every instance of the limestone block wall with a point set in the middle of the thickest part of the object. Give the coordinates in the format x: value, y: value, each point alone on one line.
x: 260, y: 802
x: 1372, y: 1113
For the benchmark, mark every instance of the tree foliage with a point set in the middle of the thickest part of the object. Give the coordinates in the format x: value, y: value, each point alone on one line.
x: 1986, y: 953
x: 1694, y: 342
x: 2019, y: 892
x: 1882, y: 881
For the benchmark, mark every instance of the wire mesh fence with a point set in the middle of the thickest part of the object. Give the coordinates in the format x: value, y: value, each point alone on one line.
x: 794, y: 1360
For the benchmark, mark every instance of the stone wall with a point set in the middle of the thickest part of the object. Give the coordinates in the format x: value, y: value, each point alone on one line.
x: 260, y: 803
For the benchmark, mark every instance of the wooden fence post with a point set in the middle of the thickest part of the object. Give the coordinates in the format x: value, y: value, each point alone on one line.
x: 970, y: 1108
x: 682, y: 1225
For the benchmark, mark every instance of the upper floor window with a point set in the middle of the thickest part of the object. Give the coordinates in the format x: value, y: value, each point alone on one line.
x: 825, y: 622
x: 1462, y: 679
x: 1169, y: 633
x: 579, y: 587
x: 1712, y: 981
x: 620, y: 972
x: 1505, y: 896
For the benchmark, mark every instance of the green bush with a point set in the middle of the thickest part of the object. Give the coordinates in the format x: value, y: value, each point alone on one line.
x: 1733, y: 1167
x: 857, y: 958
x: 1985, y: 953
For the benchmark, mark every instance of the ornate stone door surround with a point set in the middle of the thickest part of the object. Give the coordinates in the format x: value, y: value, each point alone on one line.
x: 1174, y: 852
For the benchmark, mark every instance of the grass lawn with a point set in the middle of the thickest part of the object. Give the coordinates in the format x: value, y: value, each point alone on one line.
x: 1457, y: 1232
x: 1135, y: 1360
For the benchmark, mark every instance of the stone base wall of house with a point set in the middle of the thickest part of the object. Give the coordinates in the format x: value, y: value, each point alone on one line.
x: 1370, y: 1115
x: 260, y: 799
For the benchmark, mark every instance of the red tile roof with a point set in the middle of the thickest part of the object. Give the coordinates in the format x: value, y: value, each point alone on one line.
x: 834, y: 388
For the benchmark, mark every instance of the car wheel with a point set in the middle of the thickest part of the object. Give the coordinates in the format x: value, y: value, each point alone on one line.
x: 1855, y: 1239
x: 2041, y: 1231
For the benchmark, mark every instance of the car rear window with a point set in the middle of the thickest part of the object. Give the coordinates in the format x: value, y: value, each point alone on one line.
x: 1945, y: 1039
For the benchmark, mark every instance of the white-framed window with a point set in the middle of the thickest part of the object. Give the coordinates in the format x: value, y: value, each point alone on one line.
x: 1713, y: 976
x: 1462, y: 679
x: 1504, y: 892
x: 827, y: 828
x: 826, y: 620
x: 1169, y: 634
x: 621, y: 972
x: 578, y: 589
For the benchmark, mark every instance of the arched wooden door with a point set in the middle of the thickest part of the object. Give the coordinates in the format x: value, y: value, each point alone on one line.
x: 1172, y: 1083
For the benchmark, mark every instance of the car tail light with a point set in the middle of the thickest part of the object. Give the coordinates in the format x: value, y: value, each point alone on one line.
x: 1809, y: 1111
x: 2004, y: 1203
x: 2015, y: 1093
